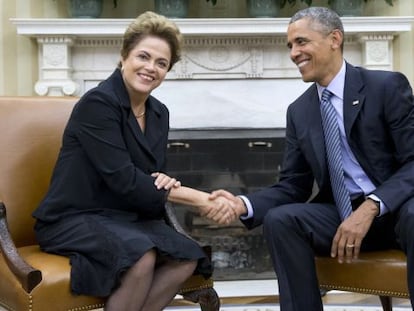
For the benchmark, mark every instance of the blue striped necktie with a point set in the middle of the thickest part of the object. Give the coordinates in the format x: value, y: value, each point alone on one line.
x: 334, y: 155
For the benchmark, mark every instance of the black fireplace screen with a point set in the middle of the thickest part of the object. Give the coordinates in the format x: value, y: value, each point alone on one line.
x: 239, y: 165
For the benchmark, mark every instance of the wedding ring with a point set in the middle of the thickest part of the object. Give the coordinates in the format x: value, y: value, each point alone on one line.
x: 350, y: 245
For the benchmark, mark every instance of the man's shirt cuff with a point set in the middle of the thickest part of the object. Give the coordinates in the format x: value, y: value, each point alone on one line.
x: 248, y: 207
x: 382, y: 208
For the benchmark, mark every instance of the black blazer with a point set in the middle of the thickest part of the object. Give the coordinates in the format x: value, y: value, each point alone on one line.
x: 106, y: 160
x: 379, y: 125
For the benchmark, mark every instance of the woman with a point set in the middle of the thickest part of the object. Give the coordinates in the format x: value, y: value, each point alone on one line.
x: 105, y: 205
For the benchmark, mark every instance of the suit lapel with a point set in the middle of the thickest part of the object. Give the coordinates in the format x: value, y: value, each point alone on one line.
x: 152, y: 135
x: 313, y: 118
x: 353, y: 99
x: 153, y: 132
x: 137, y: 132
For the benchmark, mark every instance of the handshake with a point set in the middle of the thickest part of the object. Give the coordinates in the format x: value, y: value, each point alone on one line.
x: 219, y: 206
x: 223, y: 207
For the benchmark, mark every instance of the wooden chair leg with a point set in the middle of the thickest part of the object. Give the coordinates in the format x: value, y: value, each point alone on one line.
x: 207, y: 298
x: 386, y: 303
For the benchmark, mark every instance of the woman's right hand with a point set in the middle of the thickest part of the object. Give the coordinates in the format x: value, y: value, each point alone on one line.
x: 220, y: 208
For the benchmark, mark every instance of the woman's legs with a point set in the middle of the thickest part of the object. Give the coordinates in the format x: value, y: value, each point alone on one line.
x: 168, y: 279
x: 150, y: 288
x: 135, y: 285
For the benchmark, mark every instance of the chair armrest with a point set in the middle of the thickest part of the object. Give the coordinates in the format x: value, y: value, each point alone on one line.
x: 171, y: 219
x: 28, y: 276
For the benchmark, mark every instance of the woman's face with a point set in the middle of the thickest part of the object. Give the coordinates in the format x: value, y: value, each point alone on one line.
x: 146, y: 65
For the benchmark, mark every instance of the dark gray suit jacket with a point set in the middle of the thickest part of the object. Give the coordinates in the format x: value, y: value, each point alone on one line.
x: 380, y: 132
x: 106, y: 160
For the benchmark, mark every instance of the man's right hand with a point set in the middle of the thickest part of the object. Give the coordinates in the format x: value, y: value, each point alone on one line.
x: 239, y: 207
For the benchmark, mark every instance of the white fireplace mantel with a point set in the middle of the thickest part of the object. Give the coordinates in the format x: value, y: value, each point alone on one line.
x: 228, y: 64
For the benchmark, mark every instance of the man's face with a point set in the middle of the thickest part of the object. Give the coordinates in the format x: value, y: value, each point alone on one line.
x: 313, y: 51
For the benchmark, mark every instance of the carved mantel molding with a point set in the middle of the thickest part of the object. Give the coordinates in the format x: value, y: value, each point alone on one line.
x: 215, y: 48
x: 75, y: 54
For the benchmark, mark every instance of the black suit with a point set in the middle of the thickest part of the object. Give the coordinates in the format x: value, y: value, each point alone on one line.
x: 103, y: 131
x: 102, y: 209
x: 379, y: 125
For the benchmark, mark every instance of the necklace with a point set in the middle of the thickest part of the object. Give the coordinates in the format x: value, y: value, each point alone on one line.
x: 140, y: 115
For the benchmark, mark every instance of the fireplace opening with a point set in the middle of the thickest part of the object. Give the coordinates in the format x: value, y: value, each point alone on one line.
x: 240, y: 161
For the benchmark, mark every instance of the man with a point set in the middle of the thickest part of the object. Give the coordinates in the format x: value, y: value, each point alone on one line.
x: 374, y: 120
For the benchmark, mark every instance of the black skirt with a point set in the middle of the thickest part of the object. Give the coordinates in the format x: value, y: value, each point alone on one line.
x: 102, y: 247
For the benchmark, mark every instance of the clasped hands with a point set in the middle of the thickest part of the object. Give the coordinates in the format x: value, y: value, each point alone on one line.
x: 220, y: 206
x: 224, y: 208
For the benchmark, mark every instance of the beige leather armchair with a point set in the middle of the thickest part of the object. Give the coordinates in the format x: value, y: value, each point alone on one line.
x: 380, y: 273
x: 30, y: 136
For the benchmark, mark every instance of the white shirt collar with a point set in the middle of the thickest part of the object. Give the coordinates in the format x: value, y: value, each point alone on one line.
x: 336, y: 86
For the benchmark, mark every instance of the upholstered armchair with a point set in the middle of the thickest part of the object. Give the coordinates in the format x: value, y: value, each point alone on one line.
x: 31, y: 130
